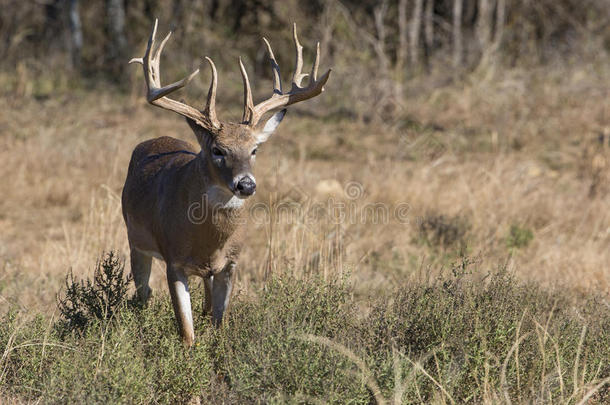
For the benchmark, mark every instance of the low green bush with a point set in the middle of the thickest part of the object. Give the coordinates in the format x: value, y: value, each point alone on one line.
x: 100, y: 299
x: 462, y: 338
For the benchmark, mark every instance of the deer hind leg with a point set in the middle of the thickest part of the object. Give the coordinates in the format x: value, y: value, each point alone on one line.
x: 221, y: 292
x: 140, y: 270
x: 181, y: 301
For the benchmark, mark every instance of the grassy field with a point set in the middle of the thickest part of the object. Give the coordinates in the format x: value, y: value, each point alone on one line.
x: 453, y: 340
x: 468, y: 259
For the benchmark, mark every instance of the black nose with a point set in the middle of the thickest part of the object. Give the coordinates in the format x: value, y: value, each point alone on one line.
x: 246, y: 186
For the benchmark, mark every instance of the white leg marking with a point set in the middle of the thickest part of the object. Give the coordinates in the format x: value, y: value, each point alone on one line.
x: 184, y: 298
x: 181, y: 300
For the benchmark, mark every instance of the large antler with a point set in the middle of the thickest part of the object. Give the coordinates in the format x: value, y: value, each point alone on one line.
x: 252, y: 114
x: 156, y: 94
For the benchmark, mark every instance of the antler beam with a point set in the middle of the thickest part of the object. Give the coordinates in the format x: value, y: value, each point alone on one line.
x: 253, y: 113
x: 157, y: 95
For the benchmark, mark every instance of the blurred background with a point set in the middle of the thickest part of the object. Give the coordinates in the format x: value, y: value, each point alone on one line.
x: 486, y: 121
x: 376, y: 47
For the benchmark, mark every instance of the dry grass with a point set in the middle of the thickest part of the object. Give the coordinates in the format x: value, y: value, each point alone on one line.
x: 497, y: 151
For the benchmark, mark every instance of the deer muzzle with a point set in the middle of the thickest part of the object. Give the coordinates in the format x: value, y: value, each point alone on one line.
x: 244, y: 186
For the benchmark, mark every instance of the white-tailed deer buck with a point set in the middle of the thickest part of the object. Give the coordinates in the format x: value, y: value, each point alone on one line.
x: 168, y: 177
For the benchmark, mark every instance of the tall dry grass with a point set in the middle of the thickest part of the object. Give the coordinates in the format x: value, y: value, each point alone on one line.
x: 502, y: 150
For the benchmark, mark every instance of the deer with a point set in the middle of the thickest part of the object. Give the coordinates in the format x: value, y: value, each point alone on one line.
x: 167, y: 177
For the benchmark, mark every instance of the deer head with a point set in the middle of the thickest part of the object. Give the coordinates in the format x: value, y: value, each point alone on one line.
x: 228, y: 149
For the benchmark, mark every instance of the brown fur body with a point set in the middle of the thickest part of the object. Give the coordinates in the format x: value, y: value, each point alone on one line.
x: 181, y: 209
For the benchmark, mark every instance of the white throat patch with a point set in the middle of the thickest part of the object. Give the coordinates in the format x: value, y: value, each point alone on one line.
x: 222, y: 198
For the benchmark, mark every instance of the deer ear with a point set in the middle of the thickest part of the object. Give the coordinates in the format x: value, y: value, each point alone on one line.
x: 203, y: 135
x: 270, y: 126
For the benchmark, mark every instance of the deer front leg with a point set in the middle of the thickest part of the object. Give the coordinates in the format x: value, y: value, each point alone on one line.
x: 207, y: 299
x: 140, y: 270
x: 221, y: 292
x: 181, y: 301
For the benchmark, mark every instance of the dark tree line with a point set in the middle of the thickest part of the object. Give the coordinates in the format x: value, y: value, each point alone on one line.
x: 401, y: 38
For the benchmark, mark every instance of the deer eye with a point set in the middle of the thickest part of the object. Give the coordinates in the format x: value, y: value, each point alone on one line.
x: 217, y: 152
x: 254, y: 152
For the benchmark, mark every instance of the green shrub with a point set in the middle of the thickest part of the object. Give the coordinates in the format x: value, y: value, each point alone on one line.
x: 138, y: 358
x: 264, y: 357
x: 465, y: 337
x: 99, y: 299
x: 463, y: 331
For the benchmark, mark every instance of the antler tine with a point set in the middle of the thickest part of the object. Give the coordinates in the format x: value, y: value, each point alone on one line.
x: 248, y: 104
x: 277, y: 80
x: 210, y: 106
x: 156, y: 94
x: 149, y: 59
x: 157, y: 57
x: 297, y: 77
x: 297, y: 93
x: 314, y: 68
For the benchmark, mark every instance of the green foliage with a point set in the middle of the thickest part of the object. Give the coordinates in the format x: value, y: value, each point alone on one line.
x: 470, y: 338
x: 518, y: 237
x: 262, y: 354
x: 100, y: 299
x: 464, y: 332
x: 136, y: 359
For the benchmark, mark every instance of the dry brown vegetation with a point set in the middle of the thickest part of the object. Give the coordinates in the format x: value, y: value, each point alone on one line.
x: 508, y: 166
